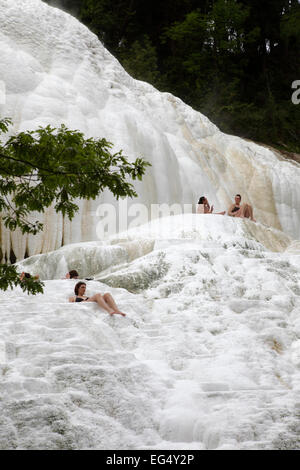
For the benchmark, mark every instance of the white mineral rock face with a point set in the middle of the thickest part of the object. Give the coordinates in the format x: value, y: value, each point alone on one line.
x: 56, y: 71
x: 207, y: 230
x: 207, y: 357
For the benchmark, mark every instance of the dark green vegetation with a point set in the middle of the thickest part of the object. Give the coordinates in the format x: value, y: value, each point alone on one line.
x: 55, y: 166
x: 233, y: 60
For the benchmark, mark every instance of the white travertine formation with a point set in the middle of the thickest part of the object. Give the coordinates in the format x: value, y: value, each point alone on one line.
x: 206, y: 230
x: 208, y: 356
x: 56, y: 71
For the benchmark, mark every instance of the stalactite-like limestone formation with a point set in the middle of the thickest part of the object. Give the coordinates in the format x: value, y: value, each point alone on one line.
x: 56, y: 71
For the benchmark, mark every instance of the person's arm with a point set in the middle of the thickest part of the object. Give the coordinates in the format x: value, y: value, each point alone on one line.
x: 71, y: 299
x: 208, y: 209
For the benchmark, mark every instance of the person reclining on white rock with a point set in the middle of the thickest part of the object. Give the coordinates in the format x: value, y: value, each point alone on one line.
x: 203, y: 207
x: 104, y: 301
x: 24, y: 276
x: 243, y: 211
x: 73, y: 274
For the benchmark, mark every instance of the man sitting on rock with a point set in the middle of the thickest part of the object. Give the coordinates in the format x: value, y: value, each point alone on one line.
x: 243, y: 211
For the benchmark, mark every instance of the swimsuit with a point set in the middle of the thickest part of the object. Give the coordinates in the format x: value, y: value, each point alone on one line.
x: 235, y: 209
x: 79, y: 299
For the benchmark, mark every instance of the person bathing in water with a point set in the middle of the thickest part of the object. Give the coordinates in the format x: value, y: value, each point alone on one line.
x: 104, y: 301
x: 204, y: 207
x: 243, y: 211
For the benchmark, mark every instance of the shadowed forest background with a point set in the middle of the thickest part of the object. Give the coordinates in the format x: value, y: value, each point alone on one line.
x: 233, y: 60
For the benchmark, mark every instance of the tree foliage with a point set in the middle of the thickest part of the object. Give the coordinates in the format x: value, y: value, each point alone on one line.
x: 9, y: 278
x: 140, y: 61
x: 56, y: 166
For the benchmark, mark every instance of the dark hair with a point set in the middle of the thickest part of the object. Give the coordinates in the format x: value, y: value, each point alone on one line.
x: 79, y: 284
x: 73, y: 274
x: 201, y: 200
x: 27, y: 275
x: 238, y: 195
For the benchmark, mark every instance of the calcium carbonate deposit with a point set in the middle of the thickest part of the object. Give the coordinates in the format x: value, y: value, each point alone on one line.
x: 208, y: 356
x: 56, y: 71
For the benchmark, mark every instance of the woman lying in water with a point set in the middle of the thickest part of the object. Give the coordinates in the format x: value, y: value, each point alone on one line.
x: 104, y: 301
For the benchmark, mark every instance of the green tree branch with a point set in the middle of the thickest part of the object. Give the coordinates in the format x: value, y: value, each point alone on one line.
x: 56, y: 166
